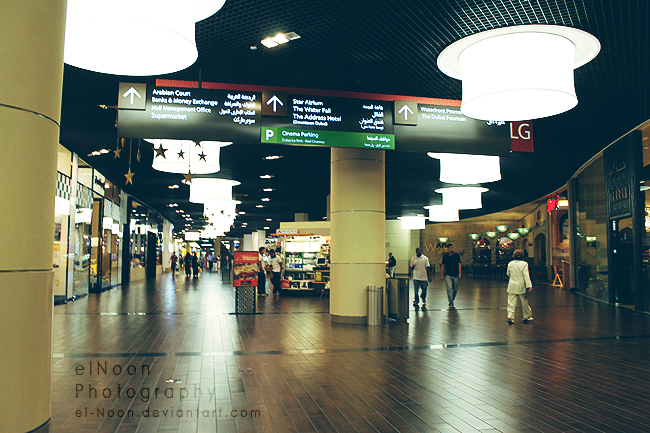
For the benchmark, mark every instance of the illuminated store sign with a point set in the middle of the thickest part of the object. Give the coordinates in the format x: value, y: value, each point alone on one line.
x: 194, y: 114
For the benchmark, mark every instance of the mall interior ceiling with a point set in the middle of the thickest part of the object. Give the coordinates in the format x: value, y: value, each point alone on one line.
x: 383, y: 47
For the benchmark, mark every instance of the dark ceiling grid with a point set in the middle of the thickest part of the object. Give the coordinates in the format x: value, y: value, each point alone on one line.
x: 342, y: 50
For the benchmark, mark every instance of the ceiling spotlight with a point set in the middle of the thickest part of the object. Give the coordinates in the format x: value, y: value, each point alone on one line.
x: 242, y: 213
x: 267, y: 228
x: 268, y: 189
x: 266, y: 176
x: 266, y: 199
x: 269, y: 219
x: 259, y: 205
x: 173, y: 186
x: 269, y: 42
x: 280, y: 38
x: 273, y: 157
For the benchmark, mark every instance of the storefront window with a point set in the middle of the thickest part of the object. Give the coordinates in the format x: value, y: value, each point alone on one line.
x: 591, y: 236
x: 83, y: 220
x: 645, y: 196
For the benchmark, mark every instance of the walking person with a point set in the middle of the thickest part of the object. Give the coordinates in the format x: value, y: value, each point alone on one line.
x: 195, y: 265
x: 276, y: 270
x: 173, y: 259
x: 188, y: 264
x: 210, y: 260
x: 261, y: 274
x: 518, y: 284
x: 392, y: 263
x: 421, y: 278
x: 450, y: 272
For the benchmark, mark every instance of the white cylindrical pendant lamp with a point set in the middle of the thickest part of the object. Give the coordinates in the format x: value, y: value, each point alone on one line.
x: 462, y: 197
x: 441, y: 213
x: 468, y: 169
x: 182, y: 156
x: 203, y: 190
x: 130, y: 37
x: 413, y: 222
x: 518, y: 72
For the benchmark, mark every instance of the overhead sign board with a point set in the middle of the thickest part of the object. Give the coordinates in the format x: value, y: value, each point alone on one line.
x: 266, y: 116
x: 305, y: 137
x: 323, y: 113
x: 445, y: 129
x: 194, y: 114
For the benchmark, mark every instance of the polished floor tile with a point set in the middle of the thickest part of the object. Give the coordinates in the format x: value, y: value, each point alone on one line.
x: 170, y: 356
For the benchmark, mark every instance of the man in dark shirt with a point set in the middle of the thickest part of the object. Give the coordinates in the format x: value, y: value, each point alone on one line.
x: 451, y: 271
x: 392, y: 263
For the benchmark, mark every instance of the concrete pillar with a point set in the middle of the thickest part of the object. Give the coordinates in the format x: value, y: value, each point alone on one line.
x: 358, y: 230
x: 31, y: 78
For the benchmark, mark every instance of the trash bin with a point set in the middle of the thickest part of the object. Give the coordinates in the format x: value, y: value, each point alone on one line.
x: 398, y: 302
x: 375, y: 305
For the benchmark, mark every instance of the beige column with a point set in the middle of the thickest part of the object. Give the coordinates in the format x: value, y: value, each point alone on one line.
x: 358, y: 229
x: 31, y: 77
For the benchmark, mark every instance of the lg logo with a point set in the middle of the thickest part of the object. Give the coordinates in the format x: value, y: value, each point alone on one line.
x: 521, y: 136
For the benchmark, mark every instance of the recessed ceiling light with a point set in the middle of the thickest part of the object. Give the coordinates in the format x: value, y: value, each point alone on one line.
x: 267, y: 228
x: 253, y: 47
x: 269, y: 42
x: 173, y: 186
x: 273, y: 157
x: 266, y: 176
x: 268, y: 189
x: 266, y: 199
x: 242, y: 213
x: 280, y: 38
x: 259, y: 205
x: 269, y: 219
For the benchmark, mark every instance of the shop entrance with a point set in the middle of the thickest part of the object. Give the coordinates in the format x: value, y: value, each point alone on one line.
x: 622, y: 271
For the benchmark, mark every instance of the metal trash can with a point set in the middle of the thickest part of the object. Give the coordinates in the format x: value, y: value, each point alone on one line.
x: 398, y: 302
x: 375, y: 305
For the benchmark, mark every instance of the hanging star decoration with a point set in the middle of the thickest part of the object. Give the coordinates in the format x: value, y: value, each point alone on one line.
x: 129, y: 177
x: 188, y: 177
x: 160, y: 151
x: 137, y: 155
x: 202, y: 156
x: 119, y: 149
x: 181, y: 154
x: 197, y: 143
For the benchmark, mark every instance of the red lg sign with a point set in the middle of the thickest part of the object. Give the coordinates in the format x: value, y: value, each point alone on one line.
x: 521, y: 136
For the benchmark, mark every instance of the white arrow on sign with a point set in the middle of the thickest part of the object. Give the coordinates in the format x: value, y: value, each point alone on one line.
x: 131, y: 92
x: 275, y: 101
x: 406, y: 111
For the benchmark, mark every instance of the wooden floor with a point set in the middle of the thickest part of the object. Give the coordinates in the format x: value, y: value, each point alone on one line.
x: 177, y: 360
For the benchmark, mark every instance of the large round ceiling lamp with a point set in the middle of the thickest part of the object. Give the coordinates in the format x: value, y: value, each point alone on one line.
x: 204, y: 190
x: 130, y: 37
x: 183, y: 156
x: 441, y: 213
x: 462, y: 197
x: 467, y: 169
x: 519, y: 72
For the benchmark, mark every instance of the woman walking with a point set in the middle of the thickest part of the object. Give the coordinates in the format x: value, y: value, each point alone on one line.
x: 517, y: 285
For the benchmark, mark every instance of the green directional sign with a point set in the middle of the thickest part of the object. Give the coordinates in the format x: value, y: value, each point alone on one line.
x: 303, y: 137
